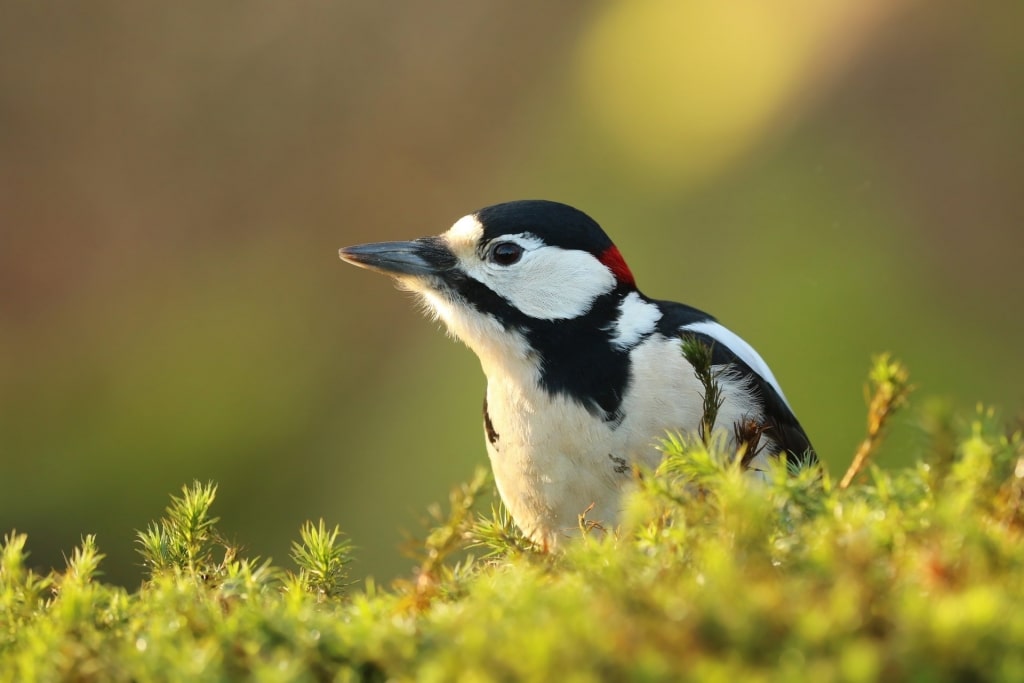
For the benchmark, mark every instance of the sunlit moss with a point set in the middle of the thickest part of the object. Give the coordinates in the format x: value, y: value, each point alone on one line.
x: 712, y: 576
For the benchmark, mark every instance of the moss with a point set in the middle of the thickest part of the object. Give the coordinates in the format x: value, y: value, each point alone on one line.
x: 910, y: 574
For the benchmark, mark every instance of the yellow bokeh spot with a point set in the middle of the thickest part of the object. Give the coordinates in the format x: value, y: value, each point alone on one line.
x: 682, y: 87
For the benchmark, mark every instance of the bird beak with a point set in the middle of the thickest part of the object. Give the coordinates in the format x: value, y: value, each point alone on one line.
x: 422, y: 257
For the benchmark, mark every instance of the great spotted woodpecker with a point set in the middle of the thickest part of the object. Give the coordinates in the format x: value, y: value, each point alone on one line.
x: 585, y: 374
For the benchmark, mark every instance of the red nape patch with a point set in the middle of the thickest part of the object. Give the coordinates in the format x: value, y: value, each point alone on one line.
x: 613, y: 259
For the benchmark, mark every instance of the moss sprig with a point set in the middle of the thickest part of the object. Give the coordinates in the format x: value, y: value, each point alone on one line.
x: 888, y: 388
x: 699, y: 354
x: 450, y: 535
x: 498, y: 535
x: 184, y: 539
x: 323, y: 556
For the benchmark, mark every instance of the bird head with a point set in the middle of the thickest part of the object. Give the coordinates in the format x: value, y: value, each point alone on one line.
x: 503, y: 275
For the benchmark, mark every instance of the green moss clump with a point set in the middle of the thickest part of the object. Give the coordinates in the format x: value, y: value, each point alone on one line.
x: 912, y: 574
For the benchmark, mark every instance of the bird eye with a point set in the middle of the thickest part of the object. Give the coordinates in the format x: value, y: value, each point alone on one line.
x: 506, y: 253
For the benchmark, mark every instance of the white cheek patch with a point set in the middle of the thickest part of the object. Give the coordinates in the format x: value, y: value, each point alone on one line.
x: 742, y: 349
x: 547, y: 283
x: 637, y: 319
x: 551, y: 283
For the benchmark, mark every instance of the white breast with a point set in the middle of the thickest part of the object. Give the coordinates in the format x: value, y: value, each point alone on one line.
x: 552, y: 459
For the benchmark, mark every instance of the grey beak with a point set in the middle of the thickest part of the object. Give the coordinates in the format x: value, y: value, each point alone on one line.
x: 422, y: 257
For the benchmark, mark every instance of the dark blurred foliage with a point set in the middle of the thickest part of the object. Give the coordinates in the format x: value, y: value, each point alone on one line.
x: 831, y: 179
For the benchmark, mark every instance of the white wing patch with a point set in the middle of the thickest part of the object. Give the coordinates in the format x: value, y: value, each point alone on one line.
x: 637, y: 319
x: 741, y: 349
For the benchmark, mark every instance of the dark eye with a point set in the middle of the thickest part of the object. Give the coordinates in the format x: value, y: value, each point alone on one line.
x: 506, y: 253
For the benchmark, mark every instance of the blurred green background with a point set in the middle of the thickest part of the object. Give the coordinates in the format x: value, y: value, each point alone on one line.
x: 830, y: 179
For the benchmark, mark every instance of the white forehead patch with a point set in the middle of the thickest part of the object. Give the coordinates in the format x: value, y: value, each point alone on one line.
x: 547, y: 283
x: 637, y: 319
x: 466, y: 232
x: 742, y: 349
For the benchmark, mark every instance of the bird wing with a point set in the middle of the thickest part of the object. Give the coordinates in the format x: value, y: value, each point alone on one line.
x: 728, y: 349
